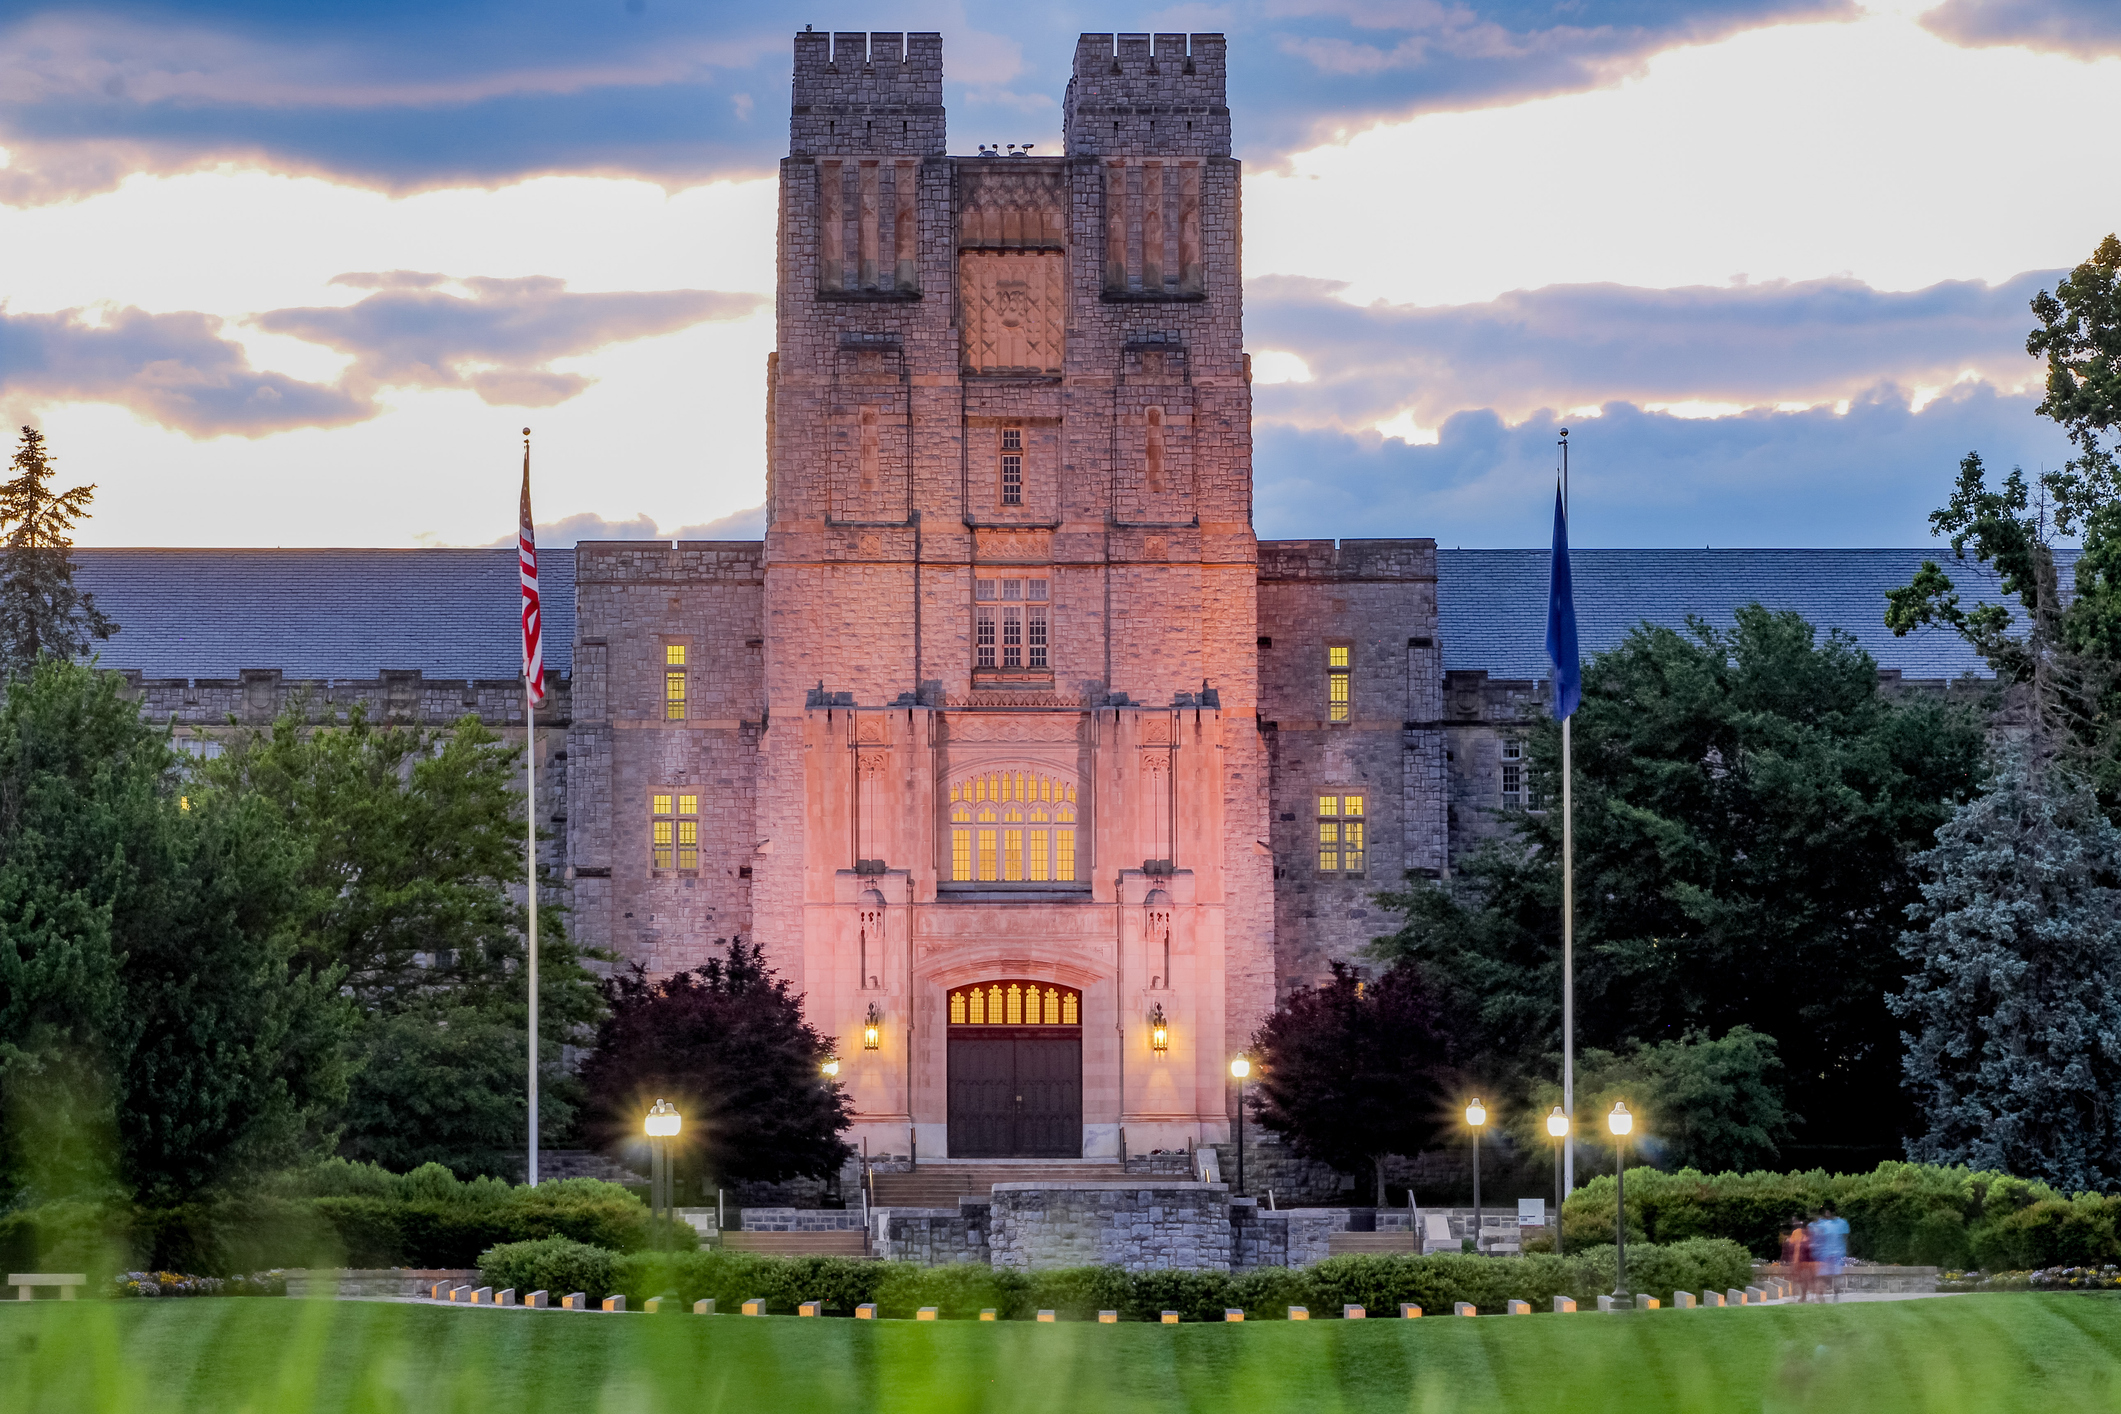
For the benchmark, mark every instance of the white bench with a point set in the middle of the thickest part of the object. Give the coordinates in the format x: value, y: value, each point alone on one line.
x: 26, y: 1283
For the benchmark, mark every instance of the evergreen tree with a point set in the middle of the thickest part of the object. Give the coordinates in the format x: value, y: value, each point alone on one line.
x: 42, y: 614
x: 2015, y: 1004
x: 1746, y: 805
x: 1351, y: 1072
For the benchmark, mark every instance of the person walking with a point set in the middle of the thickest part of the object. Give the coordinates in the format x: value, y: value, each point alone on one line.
x: 1830, y: 1245
x: 1796, y: 1255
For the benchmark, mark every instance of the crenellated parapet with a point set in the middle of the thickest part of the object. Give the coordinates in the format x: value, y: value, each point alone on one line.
x: 1148, y: 95
x: 859, y: 93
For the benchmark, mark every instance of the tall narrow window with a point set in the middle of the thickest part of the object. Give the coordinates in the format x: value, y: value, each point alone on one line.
x: 674, y: 682
x: 1513, y: 773
x: 1035, y: 624
x: 1340, y: 834
x: 983, y: 614
x: 1012, y: 466
x: 674, y: 830
x: 1337, y: 675
x: 1012, y: 624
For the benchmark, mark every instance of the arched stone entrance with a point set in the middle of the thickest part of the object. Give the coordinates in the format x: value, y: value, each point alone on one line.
x: 1016, y: 1071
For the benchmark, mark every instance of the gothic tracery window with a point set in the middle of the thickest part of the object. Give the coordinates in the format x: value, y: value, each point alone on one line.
x: 1012, y: 827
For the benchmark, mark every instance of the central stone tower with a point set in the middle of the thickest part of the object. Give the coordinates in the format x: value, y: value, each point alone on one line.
x: 1012, y: 803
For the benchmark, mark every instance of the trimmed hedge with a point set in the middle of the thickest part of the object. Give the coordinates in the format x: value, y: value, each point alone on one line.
x: 1900, y: 1213
x: 960, y: 1291
x: 338, y: 1214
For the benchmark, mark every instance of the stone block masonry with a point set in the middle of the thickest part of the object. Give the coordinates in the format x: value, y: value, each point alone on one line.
x: 1141, y: 1228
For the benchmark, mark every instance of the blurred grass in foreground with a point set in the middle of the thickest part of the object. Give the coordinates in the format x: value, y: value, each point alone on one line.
x: 1976, y: 1354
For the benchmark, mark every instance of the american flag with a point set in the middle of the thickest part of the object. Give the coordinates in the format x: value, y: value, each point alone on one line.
x: 527, y: 552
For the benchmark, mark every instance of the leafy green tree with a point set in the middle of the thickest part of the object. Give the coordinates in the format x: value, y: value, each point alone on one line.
x: 409, y: 890
x: 1352, y: 1072
x: 41, y: 612
x: 2015, y: 1001
x: 1714, y: 1105
x: 1746, y: 805
x: 157, y: 1029
x: 2064, y: 649
x: 728, y: 1045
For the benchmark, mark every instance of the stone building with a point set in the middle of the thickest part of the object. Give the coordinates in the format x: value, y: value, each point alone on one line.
x: 1009, y: 743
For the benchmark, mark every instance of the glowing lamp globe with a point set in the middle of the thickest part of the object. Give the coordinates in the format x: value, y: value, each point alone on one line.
x: 1558, y: 1124
x: 1620, y: 1121
x: 831, y: 1067
x: 663, y: 1120
x: 1476, y: 1114
x: 1240, y: 1067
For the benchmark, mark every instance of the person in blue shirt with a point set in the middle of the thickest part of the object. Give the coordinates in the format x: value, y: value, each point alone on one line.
x: 1830, y: 1246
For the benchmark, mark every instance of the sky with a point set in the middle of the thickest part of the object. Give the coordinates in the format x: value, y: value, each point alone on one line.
x: 278, y: 274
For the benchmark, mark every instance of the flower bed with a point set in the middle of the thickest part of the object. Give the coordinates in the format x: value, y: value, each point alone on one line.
x: 273, y: 1283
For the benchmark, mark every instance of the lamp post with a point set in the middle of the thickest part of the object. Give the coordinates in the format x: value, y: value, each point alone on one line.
x: 1620, y: 1122
x: 1476, y: 1116
x: 1240, y: 1068
x: 663, y: 1123
x: 1558, y: 1127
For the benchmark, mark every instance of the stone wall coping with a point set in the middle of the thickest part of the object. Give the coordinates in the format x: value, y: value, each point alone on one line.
x: 1146, y: 1184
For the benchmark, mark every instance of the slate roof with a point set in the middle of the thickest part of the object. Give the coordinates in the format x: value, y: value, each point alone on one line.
x: 1492, y: 604
x: 453, y: 613
x: 326, y: 613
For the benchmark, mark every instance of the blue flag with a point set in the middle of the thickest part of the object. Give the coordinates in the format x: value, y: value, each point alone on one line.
x: 1561, y: 621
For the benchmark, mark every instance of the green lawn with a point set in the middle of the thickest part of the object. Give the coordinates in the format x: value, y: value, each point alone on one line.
x: 2049, y: 1353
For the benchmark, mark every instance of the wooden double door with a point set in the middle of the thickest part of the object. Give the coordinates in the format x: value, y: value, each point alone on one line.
x: 1016, y: 1071
x: 1016, y: 1095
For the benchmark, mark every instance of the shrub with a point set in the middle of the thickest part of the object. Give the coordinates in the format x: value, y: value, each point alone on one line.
x: 1077, y: 1293
x: 556, y: 1264
x: 1697, y: 1264
x: 959, y: 1290
x: 1196, y: 1296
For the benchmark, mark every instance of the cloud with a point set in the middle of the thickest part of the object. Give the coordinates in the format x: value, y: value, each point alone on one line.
x: 497, y: 338
x: 748, y: 524
x: 2087, y: 29
x: 1868, y: 477
x: 175, y: 369
x: 1576, y: 345
x: 407, y: 98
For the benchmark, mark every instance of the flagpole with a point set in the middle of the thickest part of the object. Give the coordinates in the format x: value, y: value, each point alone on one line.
x: 530, y: 844
x: 1568, y: 909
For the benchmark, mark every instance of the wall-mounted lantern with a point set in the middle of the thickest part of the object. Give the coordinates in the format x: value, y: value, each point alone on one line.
x: 1159, y: 1030
x: 872, y: 1028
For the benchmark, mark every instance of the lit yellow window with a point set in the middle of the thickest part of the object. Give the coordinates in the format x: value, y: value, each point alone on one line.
x: 979, y: 1007
x: 1071, y: 1013
x: 674, y: 682
x: 1064, y: 854
x: 1013, y: 855
x: 674, y: 831
x: 986, y: 855
x: 1041, y: 868
x: 1340, y: 834
x: 960, y: 855
x: 1016, y: 1005
x: 1337, y: 674
x: 957, y: 1011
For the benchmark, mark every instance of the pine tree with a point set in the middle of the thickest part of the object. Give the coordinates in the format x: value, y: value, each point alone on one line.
x: 2015, y: 1003
x: 42, y: 614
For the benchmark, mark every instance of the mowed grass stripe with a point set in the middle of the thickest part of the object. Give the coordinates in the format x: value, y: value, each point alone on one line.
x: 2039, y: 1353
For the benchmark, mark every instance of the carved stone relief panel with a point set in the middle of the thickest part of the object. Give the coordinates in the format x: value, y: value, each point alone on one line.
x: 1013, y: 546
x: 1015, y: 206
x: 1015, y: 310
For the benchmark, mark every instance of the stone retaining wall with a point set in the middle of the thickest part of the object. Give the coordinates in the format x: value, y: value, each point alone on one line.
x: 1136, y: 1226
x: 933, y: 1236
x: 355, y: 1283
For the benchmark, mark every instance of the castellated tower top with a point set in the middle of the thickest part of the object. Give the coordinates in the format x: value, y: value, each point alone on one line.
x: 1142, y: 95
x: 861, y: 93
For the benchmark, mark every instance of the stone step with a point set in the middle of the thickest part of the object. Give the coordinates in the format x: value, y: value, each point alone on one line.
x: 937, y: 1186
x: 1342, y: 1244
x: 796, y: 1244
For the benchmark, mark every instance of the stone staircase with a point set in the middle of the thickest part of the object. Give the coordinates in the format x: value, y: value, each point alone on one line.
x: 940, y: 1185
x: 796, y: 1244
